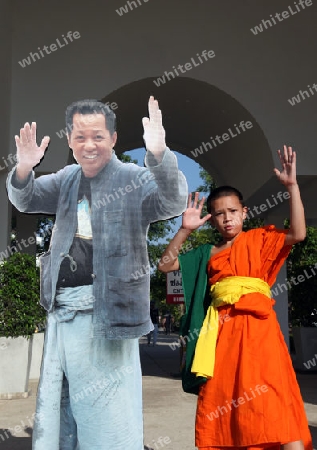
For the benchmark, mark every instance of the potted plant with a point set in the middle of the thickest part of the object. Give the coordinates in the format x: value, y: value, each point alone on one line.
x: 20, y: 316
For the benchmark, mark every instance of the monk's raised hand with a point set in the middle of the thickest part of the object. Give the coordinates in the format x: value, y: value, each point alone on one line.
x: 192, y: 216
x: 154, y: 133
x: 287, y: 175
x: 29, y: 154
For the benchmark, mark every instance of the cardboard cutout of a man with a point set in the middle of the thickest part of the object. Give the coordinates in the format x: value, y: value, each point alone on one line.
x: 90, y: 390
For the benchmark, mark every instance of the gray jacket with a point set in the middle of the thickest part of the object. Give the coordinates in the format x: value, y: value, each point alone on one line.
x: 125, y: 199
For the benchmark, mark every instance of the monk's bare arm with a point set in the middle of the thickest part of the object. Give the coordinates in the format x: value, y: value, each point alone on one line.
x: 169, y: 259
x: 297, y: 230
x: 287, y: 176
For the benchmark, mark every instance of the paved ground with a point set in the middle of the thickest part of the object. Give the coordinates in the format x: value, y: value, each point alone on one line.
x: 168, y: 412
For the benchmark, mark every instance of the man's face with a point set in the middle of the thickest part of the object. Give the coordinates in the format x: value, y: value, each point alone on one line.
x: 91, y: 142
x: 227, y: 215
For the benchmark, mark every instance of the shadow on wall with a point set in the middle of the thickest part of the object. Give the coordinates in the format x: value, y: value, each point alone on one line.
x: 11, y: 442
x: 313, y: 431
x: 25, y: 443
x: 159, y: 361
x: 308, y: 382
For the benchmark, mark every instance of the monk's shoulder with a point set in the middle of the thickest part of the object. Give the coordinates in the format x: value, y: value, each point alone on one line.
x: 260, y: 231
x: 263, y: 235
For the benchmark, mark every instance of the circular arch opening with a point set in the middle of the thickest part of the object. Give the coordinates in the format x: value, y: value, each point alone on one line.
x: 202, y: 122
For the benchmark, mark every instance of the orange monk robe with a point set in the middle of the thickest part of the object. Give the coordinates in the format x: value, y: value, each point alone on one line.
x: 253, y: 399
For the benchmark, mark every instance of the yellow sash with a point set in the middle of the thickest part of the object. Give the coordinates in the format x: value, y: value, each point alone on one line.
x: 226, y: 291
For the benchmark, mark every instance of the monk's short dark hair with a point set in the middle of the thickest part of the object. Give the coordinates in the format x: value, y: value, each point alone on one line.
x: 223, y: 191
x: 90, y: 106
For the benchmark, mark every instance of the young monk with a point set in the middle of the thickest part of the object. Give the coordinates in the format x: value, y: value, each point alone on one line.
x: 248, y: 395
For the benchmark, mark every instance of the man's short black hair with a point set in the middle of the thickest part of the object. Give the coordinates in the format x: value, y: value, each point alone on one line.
x: 223, y: 191
x: 90, y: 107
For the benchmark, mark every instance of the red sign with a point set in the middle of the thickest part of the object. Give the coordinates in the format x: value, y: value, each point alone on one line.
x: 174, y: 288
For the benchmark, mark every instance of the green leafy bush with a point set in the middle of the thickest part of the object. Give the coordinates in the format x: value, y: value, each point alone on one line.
x: 20, y: 311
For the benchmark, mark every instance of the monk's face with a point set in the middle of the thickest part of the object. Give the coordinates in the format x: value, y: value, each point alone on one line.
x: 227, y: 215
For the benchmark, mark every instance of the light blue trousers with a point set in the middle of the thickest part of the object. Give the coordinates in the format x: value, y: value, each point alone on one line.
x: 90, y: 390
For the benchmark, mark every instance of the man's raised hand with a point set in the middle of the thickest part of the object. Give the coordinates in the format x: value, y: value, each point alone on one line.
x: 154, y: 133
x: 29, y: 154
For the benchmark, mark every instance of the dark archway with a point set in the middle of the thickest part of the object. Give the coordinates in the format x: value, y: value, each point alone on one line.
x: 193, y: 112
